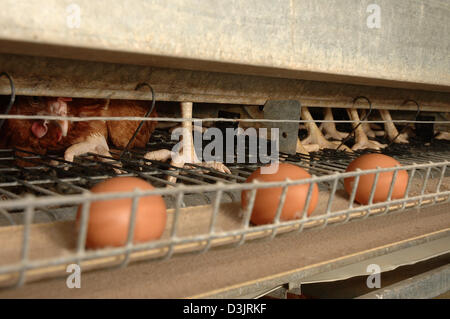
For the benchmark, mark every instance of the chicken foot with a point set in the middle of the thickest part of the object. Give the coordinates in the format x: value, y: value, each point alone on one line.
x: 391, y: 130
x: 96, y: 144
x: 329, y: 128
x: 306, y: 149
x: 369, y: 127
x: 443, y: 136
x: 361, y: 139
x: 315, y: 136
x: 186, y: 154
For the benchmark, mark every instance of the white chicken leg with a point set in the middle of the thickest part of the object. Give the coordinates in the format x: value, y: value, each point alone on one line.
x: 443, y: 133
x: 186, y: 154
x: 361, y: 139
x: 96, y: 144
x: 315, y: 136
x: 368, y: 127
x: 443, y: 136
x: 306, y: 149
x: 391, y: 130
x: 329, y: 128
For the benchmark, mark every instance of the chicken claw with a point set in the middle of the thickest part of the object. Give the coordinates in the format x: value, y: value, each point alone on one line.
x: 187, y: 161
x: 361, y: 139
x: 370, y: 132
x: 366, y: 143
x: 371, y: 129
x: 315, y: 136
x: 329, y: 128
x: 402, y: 138
x: 218, y: 166
x: 443, y: 136
x: 163, y: 155
x: 93, y: 144
x: 306, y: 149
x: 391, y: 130
x: 159, y: 155
x: 186, y: 153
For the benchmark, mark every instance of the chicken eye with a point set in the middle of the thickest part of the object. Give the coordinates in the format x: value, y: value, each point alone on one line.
x: 35, y: 101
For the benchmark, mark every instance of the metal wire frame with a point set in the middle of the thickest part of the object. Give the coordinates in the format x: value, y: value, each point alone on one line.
x: 406, y: 126
x: 205, y: 241
x: 330, y: 173
x: 140, y: 85
x: 323, y: 172
x: 206, y: 119
x: 85, y: 173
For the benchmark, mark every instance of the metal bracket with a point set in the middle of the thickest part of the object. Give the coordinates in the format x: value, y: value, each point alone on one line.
x: 288, y: 132
x: 426, y: 285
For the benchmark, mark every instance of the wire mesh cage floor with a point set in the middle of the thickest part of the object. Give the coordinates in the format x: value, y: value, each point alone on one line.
x: 51, y: 175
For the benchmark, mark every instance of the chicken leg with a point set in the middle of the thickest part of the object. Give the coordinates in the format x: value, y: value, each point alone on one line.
x: 391, y: 130
x: 443, y: 136
x: 186, y: 154
x: 96, y: 144
x: 329, y: 128
x: 368, y: 127
x: 443, y: 132
x: 315, y: 136
x: 306, y: 149
x: 362, y: 141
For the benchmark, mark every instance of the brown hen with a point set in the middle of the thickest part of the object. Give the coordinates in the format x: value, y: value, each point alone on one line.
x: 75, y: 138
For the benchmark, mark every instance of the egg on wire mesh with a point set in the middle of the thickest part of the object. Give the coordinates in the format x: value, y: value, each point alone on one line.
x: 366, y: 181
x: 108, y: 221
x: 267, y: 199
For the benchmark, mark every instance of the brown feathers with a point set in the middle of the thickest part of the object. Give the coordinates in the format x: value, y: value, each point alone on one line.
x: 18, y: 133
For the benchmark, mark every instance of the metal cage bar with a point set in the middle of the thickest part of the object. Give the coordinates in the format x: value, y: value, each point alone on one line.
x: 80, y: 254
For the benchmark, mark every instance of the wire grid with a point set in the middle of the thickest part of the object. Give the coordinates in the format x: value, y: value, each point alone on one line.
x: 207, y: 119
x: 50, y: 184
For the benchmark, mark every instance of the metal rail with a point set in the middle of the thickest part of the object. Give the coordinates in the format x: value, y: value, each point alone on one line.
x: 43, y: 76
x: 208, y: 119
x: 308, y: 39
x: 427, y: 285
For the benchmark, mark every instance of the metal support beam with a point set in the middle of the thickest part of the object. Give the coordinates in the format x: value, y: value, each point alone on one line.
x: 288, y: 132
x: 61, y: 77
x: 427, y: 285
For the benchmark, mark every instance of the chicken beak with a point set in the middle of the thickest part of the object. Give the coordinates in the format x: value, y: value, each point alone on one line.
x: 59, y: 108
x: 64, y: 126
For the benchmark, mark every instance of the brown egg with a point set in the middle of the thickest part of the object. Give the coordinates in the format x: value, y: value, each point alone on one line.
x: 371, y: 161
x: 267, y: 199
x: 109, y: 219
